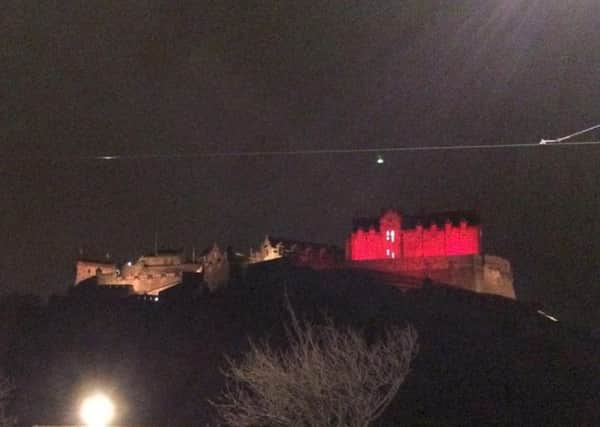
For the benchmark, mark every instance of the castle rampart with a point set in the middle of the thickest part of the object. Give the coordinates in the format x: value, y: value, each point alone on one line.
x: 444, y: 247
x: 477, y: 273
x: 85, y: 269
x: 151, y: 274
x: 389, y: 238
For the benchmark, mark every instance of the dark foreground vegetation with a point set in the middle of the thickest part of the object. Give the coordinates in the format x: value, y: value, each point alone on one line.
x: 482, y: 359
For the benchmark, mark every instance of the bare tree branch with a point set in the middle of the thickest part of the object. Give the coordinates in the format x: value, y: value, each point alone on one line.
x: 326, y: 377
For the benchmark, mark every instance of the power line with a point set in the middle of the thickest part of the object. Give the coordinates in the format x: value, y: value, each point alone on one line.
x: 324, y: 151
x: 544, y: 144
x: 564, y: 138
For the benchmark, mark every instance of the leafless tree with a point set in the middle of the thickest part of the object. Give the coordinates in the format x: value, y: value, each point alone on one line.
x: 326, y: 377
x: 5, y: 394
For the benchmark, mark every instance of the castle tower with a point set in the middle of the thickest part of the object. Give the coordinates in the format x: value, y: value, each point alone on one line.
x: 390, y: 226
x: 85, y: 269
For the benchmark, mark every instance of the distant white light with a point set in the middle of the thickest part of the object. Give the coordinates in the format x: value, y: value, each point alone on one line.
x: 108, y: 157
x: 547, y: 316
x: 380, y: 160
x: 97, y: 410
x: 156, y: 299
x: 129, y: 263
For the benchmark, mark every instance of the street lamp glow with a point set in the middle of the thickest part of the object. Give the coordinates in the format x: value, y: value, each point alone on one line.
x: 97, y: 410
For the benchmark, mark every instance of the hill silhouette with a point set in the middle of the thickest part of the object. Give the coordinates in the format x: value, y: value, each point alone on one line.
x: 482, y: 360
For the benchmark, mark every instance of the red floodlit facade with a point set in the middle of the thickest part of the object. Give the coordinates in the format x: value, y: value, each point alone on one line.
x: 387, y: 239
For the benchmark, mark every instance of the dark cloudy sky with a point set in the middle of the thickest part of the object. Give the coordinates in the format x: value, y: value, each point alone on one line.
x: 161, y: 77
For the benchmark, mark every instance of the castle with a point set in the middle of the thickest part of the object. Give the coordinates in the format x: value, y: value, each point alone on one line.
x: 315, y: 255
x: 404, y: 251
x: 443, y: 247
x: 389, y: 237
x: 154, y: 273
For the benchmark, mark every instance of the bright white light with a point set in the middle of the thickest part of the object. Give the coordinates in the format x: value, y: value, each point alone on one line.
x: 97, y: 410
x: 129, y: 263
x: 547, y: 316
x: 379, y: 160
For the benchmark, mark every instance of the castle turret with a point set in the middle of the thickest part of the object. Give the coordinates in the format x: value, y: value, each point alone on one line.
x: 86, y: 269
x: 216, y: 268
x: 390, y: 225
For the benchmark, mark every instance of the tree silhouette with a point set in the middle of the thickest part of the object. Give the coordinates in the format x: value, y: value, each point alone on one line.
x: 326, y: 377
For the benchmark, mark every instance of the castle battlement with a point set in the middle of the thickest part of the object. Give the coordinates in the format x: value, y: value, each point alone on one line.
x: 444, y: 247
x: 152, y: 274
x: 393, y: 237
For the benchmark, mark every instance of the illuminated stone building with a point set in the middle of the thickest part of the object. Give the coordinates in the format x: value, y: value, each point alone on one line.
x: 402, y: 250
x: 151, y: 274
x: 389, y: 237
x: 86, y: 269
x: 216, y: 267
x: 443, y: 247
x: 316, y: 255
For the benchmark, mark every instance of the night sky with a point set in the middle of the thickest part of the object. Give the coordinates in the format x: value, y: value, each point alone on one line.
x: 175, y: 80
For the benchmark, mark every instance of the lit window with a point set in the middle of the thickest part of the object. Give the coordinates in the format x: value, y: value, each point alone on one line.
x: 387, y: 235
x: 392, y: 235
x: 393, y: 254
x: 387, y: 252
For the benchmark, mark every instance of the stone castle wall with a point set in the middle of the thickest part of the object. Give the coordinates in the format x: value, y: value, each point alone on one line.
x: 389, y: 239
x: 151, y: 274
x: 87, y: 269
x: 478, y: 273
x: 147, y: 282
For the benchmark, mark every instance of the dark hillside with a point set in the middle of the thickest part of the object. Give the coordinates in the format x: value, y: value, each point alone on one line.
x: 483, y: 359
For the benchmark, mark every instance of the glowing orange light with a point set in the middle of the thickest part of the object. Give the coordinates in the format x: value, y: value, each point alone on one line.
x: 97, y: 410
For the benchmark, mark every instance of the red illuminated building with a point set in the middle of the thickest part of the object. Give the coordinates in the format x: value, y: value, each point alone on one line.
x: 393, y: 237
